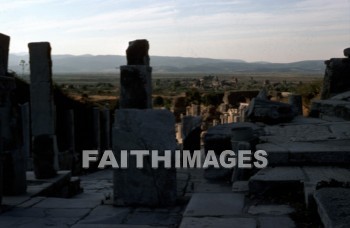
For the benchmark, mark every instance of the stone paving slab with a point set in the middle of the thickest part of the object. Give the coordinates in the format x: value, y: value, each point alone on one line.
x: 30, y: 222
x: 114, y: 226
x: 213, y: 222
x: 240, y: 186
x: 276, y: 154
x: 276, y: 221
x: 333, y: 207
x: 270, y: 210
x: 215, y: 204
x: 154, y: 219
x: 106, y: 214
x: 67, y: 203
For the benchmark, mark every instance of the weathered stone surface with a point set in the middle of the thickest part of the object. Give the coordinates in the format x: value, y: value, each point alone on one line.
x: 333, y: 206
x: 333, y: 108
x: 56, y: 203
x: 240, y: 186
x: 213, y: 222
x: 14, y: 166
x: 271, y: 112
x: 342, y: 96
x: 144, y: 130
x: 280, y: 221
x: 44, y: 156
x: 154, y: 219
x: 336, y: 79
x: 214, y: 204
x: 278, y: 179
x: 218, y: 138
x: 297, y: 103
x: 137, y: 53
x: 270, y: 210
x: 4, y: 53
x: 135, y: 87
x: 276, y: 154
x: 41, y: 97
x: 105, y: 214
x: 347, y: 52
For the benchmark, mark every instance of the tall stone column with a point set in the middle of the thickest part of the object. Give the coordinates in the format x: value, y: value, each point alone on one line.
x: 138, y: 127
x: 135, y: 78
x: 45, y: 152
x: 4, y: 53
x: 12, y: 156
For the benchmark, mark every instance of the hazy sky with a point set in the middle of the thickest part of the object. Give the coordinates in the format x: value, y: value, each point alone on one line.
x: 252, y: 30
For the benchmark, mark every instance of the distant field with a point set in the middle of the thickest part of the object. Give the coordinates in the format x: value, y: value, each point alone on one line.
x: 94, y: 78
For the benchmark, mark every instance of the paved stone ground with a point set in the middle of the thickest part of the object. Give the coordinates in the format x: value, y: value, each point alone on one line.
x: 201, y: 203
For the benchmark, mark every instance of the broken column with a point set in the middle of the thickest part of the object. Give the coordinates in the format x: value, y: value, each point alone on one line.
x: 12, y: 156
x: 137, y: 127
x: 336, y: 79
x: 135, y: 78
x: 45, y: 152
x: 271, y: 112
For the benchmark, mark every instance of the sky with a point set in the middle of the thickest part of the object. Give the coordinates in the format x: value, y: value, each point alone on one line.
x: 251, y: 30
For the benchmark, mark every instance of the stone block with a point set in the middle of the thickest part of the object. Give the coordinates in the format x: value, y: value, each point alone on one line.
x: 137, y: 53
x: 333, y: 207
x: 279, y: 179
x: 135, y: 87
x: 144, y: 130
x: 214, y: 204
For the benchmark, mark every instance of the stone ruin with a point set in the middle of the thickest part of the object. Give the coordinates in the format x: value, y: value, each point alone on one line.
x: 138, y: 127
x: 307, y: 155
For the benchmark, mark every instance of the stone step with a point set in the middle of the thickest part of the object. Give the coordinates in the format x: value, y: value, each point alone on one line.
x: 333, y: 207
x: 332, y: 152
x: 215, y: 204
x: 280, y: 179
x: 295, y: 178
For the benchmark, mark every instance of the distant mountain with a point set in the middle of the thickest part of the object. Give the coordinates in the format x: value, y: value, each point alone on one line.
x: 164, y: 64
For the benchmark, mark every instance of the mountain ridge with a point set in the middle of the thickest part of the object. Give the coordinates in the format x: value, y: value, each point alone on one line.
x: 167, y: 64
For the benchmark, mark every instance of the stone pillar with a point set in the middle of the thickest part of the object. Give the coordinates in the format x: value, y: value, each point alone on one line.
x: 96, y: 128
x: 4, y: 53
x: 135, y: 87
x: 297, y: 103
x: 144, y: 130
x: 106, y: 129
x: 137, y: 127
x: 45, y: 155
x: 13, y: 159
x: 136, y: 77
x: 26, y: 130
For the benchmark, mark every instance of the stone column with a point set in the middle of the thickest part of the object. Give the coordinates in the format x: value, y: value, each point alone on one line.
x: 4, y: 53
x: 136, y: 77
x: 13, y: 159
x: 137, y: 127
x: 45, y: 155
x: 106, y: 129
x: 144, y: 130
x: 96, y: 128
x: 26, y: 129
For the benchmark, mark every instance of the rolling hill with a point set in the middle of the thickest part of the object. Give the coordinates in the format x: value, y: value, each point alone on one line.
x: 164, y: 64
